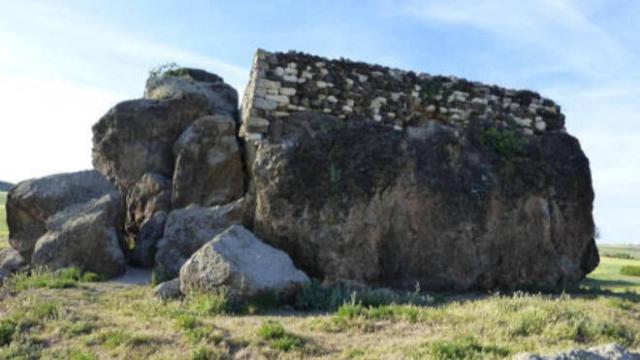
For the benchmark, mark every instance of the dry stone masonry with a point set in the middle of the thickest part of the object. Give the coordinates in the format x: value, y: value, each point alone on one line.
x: 348, y: 171
x: 283, y: 83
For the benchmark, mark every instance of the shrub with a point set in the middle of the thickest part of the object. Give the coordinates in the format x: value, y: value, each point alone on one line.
x: 467, y: 348
x: 7, y: 328
x: 274, y: 333
x: 506, y: 143
x: 208, y: 304
x: 630, y: 270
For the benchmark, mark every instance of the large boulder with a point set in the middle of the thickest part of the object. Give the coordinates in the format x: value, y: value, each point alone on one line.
x: 178, y: 83
x: 147, y: 203
x: 136, y: 137
x: 32, y: 202
x: 241, y: 264
x: 187, y: 229
x: 86, y: 236
x: 392, y: 178
x: 209, y: 169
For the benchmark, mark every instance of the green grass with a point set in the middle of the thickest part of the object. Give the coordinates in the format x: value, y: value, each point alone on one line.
x: 278, y: 338
x: 40, y: 278
x: 4, y: 229
x: 608, y: 276
x: 620, y: 251
x: 630, y: 270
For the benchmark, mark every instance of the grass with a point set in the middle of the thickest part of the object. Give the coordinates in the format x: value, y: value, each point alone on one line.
x: 4, y: 229
x: 608, y: 275
x: 40, y: 278
x: 630, y: 270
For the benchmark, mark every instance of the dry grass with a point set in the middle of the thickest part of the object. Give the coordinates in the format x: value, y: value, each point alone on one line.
x: 109, y: 321
x: 4, y: 230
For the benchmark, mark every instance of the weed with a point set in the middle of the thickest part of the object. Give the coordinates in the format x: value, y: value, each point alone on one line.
x: 208, y: 304
x: 274, y: 333
x: 506, y: 143
x: 7, y: 328
x: 466, y: 348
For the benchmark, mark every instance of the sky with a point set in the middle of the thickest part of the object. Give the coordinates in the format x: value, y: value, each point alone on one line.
x: 63, y: 64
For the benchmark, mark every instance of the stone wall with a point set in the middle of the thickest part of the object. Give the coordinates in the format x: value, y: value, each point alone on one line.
x: 283, y: 83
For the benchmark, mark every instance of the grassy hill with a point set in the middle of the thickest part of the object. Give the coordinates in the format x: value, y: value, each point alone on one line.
x: 63, y: 316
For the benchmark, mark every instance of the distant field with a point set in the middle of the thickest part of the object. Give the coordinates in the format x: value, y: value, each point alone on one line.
x: 607, y: 275
x: 616, y: 251
x: 4, y: 230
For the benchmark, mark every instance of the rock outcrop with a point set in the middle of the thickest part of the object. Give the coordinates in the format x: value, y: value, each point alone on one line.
x: 386, y: 177
x: 241, y: 264
x: 85, y: 236
x: 187, y: 229
x: 358, y: 172
x: 32, y: 202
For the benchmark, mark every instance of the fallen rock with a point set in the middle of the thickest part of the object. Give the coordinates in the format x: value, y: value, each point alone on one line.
x: 10, y: 263
x: 150, y: 195
x: 168, y: 290
x: 209, y: 169
x: 187, y: 229
x: 243, y: 265
x: 221, y: 98
x: 414, y: 179
x: 136, y: 137
x: 32, y: 202
x: 607, y: 352
x: 84, y: 236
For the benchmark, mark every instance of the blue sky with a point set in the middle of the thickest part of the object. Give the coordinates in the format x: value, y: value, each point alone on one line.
x: 64, y: 63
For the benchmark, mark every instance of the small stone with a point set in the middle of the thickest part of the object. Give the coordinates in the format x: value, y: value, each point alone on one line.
x: 290, y: 78
x: 320, y: 64
x: 281, y: 99
x: 350, y: 102
x: 287, y: 91
x: 362, y: 78
x: 443, y: 110
x: 281, y: 114
x: 256, y: 121
x: 279, y: 71
x: 321, y: 84
x: 264, y: 104
x: 292, y: 65
x: 347, y: 108
x: 168, y: 290
x: 397, y: 127
x: 431, y: 108
x: 541, y: 125
x: 332, y: 99
x: 377, y: 117
x: 528, y: 131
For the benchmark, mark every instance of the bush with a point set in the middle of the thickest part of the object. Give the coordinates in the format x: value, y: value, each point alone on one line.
x: 7, y: 328
x: 630, y: 270
x: 506, y: 143
x: 208, y: 304
x: 274, y: 333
